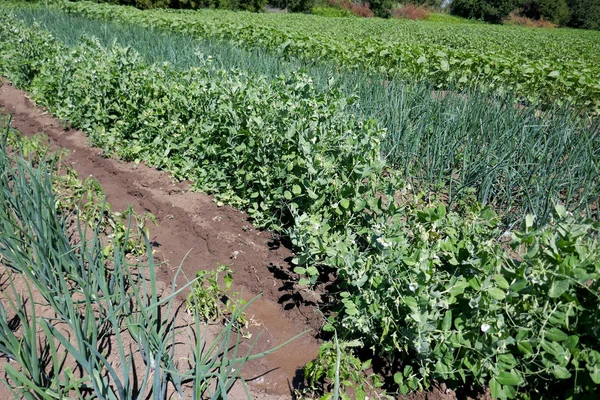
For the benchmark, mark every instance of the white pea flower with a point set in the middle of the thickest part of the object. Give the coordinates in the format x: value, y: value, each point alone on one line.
x: 485, y: 328
x: 383, y: 242
x: 413, y: 287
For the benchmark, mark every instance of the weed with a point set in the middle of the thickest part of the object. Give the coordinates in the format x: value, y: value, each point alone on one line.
x: 212, y: 302
x: 410, y: 11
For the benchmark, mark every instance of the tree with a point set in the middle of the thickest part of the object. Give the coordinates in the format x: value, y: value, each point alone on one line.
x: 487, y: 10
x: 584, y: 14
x: 381, y: 8
x: 556, y: 11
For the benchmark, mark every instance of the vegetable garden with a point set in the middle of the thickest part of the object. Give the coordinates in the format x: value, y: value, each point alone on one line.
x: 556, y: 66
x: 462, y: 231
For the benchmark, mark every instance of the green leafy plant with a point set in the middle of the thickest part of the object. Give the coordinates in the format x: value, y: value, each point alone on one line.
x: 553, y: 67
x: 519, y: 160
x: 338, y: 373
x: 211, y: 301
x: 432, y: 287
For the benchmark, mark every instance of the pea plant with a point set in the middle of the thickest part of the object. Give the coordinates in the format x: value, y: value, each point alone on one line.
x: 445, y: 294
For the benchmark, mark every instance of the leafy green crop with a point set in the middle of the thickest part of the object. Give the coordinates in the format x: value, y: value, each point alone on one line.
x: 518, y: 160
x: 438, y: 290
x: 538, y: 65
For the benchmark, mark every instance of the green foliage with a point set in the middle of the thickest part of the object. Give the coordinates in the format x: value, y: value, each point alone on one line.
x: 96, y: 299
x: 296, y: 5
x: 381, y: 8
x: 247, y: 5
x: 124, y: 229
x: 552, y: 67
x: 584, y: 14
x: 487, y: 10
x: 211, y: 301
x: 433, y: 4
x: 449, y: 19
x: 332, y: 12
x: 435, y: 287
x: 555, y: 11
x: 336, y: 369
x: 519, y: 160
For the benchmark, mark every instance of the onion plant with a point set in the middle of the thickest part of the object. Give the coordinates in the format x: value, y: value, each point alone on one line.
x: 99, y: 301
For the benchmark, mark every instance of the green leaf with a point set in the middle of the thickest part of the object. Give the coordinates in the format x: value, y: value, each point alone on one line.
x: 345, y: 203
x: 312, y: 194
x: 447, y: 321
x: 228, y: 279
x: 501, y: 281
x: 556, y: 335
x: 571, y: 342
x: 444, y: 66
x: 558, y: 288
x: 595, y: 374
x: 554, y: 74
x: 497, y: 294
x: 398, y: 378
x: 304, y: 282
x: 506, y: 361
x: 560, y: 372
x: 287, y: 195
x: 458, y: 288
x: 296, y: 189
x: 560, y: 210
x: 529, y: 219
x: 300, y: 270
x: 240, y: 148
x: 496, y: 389
x: 525, y: 348
x: 508, y: 378
x: 518, y: 285
x: 359, y: 205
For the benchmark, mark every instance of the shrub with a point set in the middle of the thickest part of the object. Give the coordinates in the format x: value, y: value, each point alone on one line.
x: 410, y: 11
x: 381, y: 8
x: 487, y: 10
x: 252, y: 5
x: 247, y: 5
x: 333, y: 12
x: 584, y: 14
x: 294, y: 5
x: 515, y: 18
x: 556, y: 11
x: 436, y: 4
x: 360, y: 10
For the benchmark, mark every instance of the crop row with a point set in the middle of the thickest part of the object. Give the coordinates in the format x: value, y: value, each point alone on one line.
x: 514, y: 159
x: 559, y: 66
x: 435, y: 288
x: 111, y: 333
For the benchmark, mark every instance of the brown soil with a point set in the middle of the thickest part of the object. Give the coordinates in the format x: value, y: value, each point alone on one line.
x: 195, y: 233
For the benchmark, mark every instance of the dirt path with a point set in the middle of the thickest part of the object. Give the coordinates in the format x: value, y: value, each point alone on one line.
x: 192, y: 223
